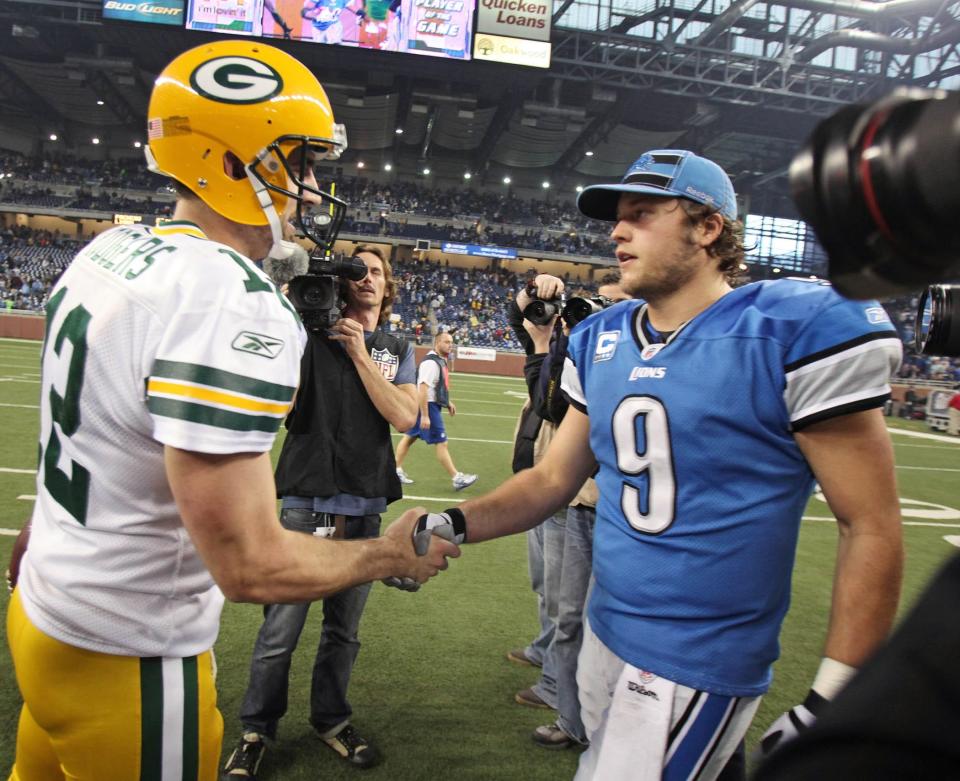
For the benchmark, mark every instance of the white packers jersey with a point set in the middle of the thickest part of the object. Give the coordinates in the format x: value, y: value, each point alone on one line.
x: 155, y: 336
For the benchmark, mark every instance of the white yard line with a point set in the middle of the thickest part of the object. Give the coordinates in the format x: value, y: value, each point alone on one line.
x: 924, y: 435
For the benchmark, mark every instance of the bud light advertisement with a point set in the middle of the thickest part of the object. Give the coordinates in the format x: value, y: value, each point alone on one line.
x: 154, y: 11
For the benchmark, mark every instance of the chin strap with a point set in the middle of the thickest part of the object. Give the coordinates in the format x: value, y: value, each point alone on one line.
x: 280, y: 249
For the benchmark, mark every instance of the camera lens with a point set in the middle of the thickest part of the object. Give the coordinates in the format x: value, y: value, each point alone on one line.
x: 876, y: 184
x: 578, y: 309
x: 938, y: 321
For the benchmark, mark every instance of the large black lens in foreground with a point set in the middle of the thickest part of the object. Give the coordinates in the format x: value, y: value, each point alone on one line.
x: 938, y: 321
x: 880, y: 186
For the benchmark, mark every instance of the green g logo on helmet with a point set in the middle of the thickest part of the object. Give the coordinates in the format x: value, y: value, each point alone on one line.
x: 236, y: 80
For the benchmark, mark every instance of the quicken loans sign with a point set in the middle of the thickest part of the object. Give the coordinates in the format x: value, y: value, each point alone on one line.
x: 515, y: 18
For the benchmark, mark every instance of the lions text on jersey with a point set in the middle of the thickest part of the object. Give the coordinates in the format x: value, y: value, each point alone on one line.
x: 155, y: 336
x: 702, y: 485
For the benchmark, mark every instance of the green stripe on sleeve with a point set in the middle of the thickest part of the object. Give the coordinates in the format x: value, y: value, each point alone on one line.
x: 151, y: 719
x: 217, y: 378
x: 191, y: 720
x: 212, y: 416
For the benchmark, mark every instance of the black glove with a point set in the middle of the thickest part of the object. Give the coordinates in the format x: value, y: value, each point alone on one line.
x: 791, y: 724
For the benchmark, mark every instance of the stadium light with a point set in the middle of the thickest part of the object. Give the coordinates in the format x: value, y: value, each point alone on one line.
x: 99, y: 102
x: 359, y: 163
x: 776, y: 271
x: 589, y: 153
x: 53, y: 136
x: 579, y: 188
x: 545, y: 185
x: 467, y: 175
x: 426, y: 171
x: 388, y: 167
x: 137, y: 145
x: 94, y: 140
x: 399, y: 131
x: 507, y: 180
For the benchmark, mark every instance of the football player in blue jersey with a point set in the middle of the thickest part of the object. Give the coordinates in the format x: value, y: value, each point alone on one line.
x: 710, y: 412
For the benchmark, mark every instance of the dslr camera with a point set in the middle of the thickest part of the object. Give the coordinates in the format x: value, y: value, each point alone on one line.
x: 879, y: 186
x: 571, y: 310
x: 315, y: 295
x: 541, y: 311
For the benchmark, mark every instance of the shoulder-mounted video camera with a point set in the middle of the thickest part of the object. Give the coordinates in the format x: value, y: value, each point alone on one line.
x: 315, y: 295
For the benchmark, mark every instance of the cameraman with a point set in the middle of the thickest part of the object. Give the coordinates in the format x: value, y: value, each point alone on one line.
x: 336, y: 475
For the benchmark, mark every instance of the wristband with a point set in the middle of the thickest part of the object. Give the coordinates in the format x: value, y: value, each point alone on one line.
x: 450, y: 524
x: 459, y: 521
x: 832, y: 677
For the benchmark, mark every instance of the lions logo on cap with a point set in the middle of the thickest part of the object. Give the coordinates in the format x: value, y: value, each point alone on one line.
x: 643, y: 163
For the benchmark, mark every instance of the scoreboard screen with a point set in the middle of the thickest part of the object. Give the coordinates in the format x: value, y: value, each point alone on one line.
x: 438, y: 28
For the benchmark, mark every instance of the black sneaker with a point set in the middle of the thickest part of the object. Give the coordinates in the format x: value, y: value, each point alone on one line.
x: 353, y: 747
x: 245, y: 759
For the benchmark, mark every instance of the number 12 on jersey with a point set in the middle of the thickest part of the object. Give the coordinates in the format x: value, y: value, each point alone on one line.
x: 72, y: 491
x: 656, y: 461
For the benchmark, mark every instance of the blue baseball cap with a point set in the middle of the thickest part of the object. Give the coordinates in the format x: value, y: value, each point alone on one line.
x: 671, y: 173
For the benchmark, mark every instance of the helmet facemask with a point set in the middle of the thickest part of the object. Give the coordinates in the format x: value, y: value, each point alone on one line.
x: 272, y: 172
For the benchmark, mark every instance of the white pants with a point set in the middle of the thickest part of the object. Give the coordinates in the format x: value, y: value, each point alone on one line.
x: 644, y: 728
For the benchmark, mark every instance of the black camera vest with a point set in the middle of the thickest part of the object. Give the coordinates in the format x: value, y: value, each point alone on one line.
x: 337, y: 441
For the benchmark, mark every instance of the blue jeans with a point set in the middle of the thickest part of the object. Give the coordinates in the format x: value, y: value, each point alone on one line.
x: 537, y: 649
x: 574, y: 580
x: 265, y: 702
x: 552, y: 532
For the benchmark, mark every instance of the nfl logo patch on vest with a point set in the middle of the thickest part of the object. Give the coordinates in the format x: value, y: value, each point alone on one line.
x: 386, y: 362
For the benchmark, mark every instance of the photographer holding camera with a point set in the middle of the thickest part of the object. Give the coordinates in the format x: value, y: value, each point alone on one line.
x: 559, y: 549
x: 537, y: 299
x: 335, y: 476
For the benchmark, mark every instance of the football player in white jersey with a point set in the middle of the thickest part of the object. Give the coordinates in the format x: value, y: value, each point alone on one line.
x: 711, y: 411
x: 169, y: 363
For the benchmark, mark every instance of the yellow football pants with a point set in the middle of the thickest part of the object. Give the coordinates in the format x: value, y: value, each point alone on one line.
x: 89, y: 716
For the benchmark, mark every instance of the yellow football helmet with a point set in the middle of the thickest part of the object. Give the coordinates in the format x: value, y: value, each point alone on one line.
x: 260, y: 104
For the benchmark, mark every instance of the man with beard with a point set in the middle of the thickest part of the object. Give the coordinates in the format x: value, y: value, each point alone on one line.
x: 710, y: 411
x: 335, y: 476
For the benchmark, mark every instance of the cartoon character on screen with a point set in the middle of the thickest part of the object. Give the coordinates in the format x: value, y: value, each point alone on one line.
x: 324, y: 15
x: 378, y: 22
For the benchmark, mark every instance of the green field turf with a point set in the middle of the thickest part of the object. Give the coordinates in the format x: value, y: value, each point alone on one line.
x: 432, y: 684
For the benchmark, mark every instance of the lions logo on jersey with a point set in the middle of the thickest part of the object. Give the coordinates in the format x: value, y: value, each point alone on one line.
x: 386, y: 362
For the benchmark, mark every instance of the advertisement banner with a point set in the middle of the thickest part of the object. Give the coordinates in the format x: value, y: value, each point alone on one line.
x: 476, y: 353
x: 496, y: 48
x: 515, y: 18
x: 478, y: 250
x: 155, y: 11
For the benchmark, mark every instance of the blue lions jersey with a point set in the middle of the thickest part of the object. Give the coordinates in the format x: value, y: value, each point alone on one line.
x: 702, y: 485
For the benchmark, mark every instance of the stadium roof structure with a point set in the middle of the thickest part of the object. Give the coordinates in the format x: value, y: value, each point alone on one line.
x: 742, y: 82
